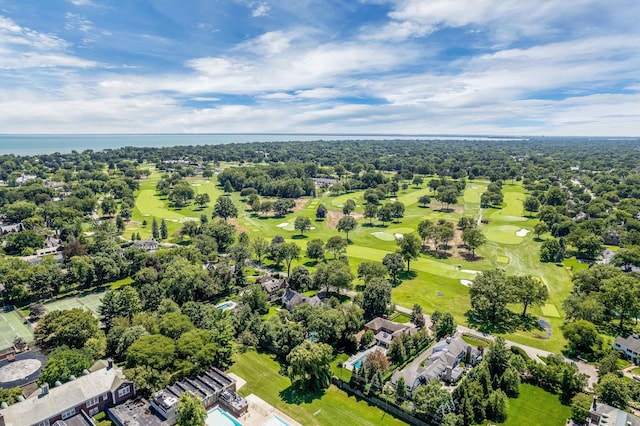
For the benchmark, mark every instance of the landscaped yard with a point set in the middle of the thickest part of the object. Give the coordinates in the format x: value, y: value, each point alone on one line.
x: 536, y: 407
x: 331, y: 407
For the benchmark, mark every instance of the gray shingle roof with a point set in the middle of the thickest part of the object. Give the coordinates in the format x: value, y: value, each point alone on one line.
x: 629, y: 342
x: 38, y: 408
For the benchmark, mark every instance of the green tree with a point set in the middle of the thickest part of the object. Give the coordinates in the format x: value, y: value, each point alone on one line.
x: 309, y: 365
x: 613, y: 390
x: 224, y: 208
x: 551, y: 251
x: 155, y: 231
x: 540, y: 228
x: 336, y: 274
x: 155, y: 351
x: 259, y: 246
x: 531, y: 204
x: 394, y: 264
x: 164, y: 232
x: 337, y: 245
x: 473, y: 238
x: 202, y: 199
x: 300, y: 279
x: 302, y: 223
x: 64, y: 363
x: 490, y: 293
x: 385, y: 214
x: 347, y: 224
x: 376, y: 298
x: 369, y: 270
x: 529, y: 291
x: 409, y: 247
x: 108, y: 206
x: 424, y: 200
x: 191, y: 411
x: 582, y: 337
x: 444, y: 325
x: 497, y: 406
x: 348, y: 207
x: 71, y: 327
x: 627, y: 257
x: 290, y: 252
x: 315, y: 249
x: 370, y: 212
x: 321, y: 212
x: 581, y: 407
x: 620, y: 295
x: 433, y: 401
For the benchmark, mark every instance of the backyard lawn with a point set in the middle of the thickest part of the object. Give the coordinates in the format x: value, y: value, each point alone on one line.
x: 331, y: 407
x: 536, y: 407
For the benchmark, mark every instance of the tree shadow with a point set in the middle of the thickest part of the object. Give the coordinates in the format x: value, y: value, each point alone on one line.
x: 509, y: 323
x: 320, y: 219
x: 367, y: 225
x: 470, y: 257
x: 297, y: 396
x: 407, y: 275
x: 299, y: 237
x: 310, y: 264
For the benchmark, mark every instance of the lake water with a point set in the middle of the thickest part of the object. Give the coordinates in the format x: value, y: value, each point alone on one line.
x: 48, y: 144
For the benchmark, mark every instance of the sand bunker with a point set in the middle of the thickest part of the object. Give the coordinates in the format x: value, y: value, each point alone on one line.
x: 522, y: 233
x: 398, y: 236
x: 146, y: 214
x: 283, y: 224
x: 466, y: 283
x: 196, y: 184
x: 469, y: 271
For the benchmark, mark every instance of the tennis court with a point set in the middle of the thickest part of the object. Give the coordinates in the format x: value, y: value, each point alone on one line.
x: 11, y: 326
x: 90, y: 301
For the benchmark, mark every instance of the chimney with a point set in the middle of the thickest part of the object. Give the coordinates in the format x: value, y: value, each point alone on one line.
x: 44, y: 390
x: 594, y: 406
x: 109, y: 364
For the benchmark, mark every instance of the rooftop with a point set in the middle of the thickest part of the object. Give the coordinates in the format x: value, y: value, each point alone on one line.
x: 135, y: 412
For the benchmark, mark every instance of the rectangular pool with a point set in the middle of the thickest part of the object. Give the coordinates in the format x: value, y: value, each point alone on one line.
x: 359, y: 361
x: 219, y: 417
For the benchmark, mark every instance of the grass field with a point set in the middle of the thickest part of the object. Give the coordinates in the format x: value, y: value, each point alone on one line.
x: 434, y: 282
x: 536, y: 407
x: 11, y: 326
x: 331, y: 407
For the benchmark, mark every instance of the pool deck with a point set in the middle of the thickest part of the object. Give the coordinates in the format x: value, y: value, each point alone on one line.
x: 260, y: 412
x: 348, y: 364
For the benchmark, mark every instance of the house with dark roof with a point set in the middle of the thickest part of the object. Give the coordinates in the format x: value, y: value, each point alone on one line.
x: 271, y: 285
x: 630, y: 346
x: 73, y: 402
x: 443, y: 364
x: 10, y: 228
x: 385, y: 331
x: 212, y: 387
x: 291, y: 299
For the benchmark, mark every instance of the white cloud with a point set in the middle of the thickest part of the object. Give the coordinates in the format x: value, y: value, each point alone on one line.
x: 22, y: 47
x: 74, y: 21
x: 81, y: 2
x: 261, y: 9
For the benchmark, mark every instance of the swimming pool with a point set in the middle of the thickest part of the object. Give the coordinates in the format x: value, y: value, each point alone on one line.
x: 359, y: 361
x: 227, y: 305
x: 219, y: 417
x: 275, y: 421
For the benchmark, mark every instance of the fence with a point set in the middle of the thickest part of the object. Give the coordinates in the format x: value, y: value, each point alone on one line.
x: 387, y: 406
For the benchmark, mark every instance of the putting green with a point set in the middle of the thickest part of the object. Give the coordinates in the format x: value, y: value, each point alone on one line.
x: 550, y: 310
x: 503, y: 234
x: 384, y: 236
x: 503, y: 260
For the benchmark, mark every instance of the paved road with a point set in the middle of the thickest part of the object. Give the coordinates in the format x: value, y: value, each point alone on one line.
x: 533, y: 353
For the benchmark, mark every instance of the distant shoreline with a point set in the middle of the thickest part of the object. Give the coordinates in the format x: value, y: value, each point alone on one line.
x: 36, y: 144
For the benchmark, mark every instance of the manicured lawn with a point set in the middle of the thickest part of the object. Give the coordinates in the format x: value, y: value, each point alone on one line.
x: 331, y: 407
x: 434, y: 282
x: 536, y: 407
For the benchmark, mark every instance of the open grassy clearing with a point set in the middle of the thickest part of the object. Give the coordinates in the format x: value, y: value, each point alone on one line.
x: 536, y: 407
x: 434, y: 282
x: 262, y: 373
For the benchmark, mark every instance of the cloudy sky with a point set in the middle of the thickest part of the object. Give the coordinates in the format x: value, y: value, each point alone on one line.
x: 501, y: 67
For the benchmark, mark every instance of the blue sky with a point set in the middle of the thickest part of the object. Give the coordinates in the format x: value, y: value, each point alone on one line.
x: 500, y: 67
